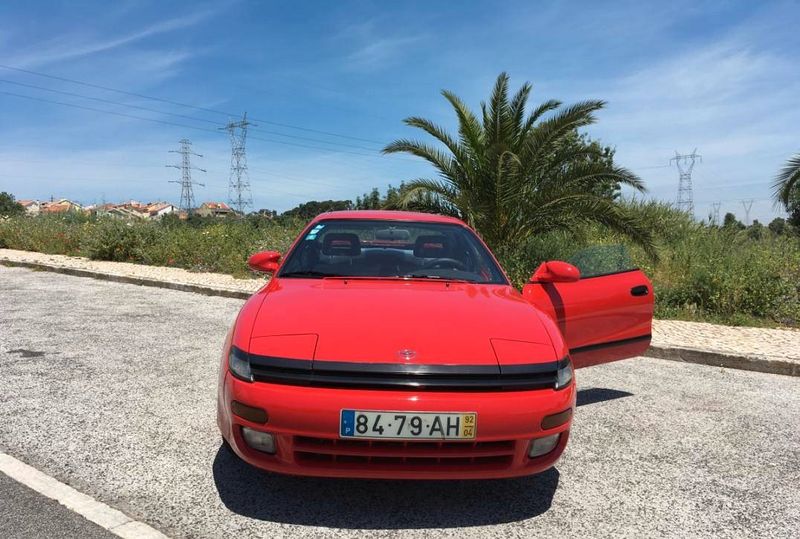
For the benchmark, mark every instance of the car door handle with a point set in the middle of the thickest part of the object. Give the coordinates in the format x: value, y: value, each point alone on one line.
x: 640, y: 290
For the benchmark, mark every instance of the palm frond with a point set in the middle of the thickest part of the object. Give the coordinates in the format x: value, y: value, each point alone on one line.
x: 787, y: 181
x: 447, y: 166
x: 442, y: 136
x: 469, y: 128
x: 538, y: 112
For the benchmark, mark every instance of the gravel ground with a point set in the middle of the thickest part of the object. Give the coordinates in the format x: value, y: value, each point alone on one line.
x: 126, y: 269
x: 110, y: 388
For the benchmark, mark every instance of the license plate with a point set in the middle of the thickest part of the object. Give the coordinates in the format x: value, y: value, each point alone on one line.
x: 407, y: 425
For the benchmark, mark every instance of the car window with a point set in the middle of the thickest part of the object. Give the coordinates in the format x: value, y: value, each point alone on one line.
x: 391, y: 249
x: 602, y: 260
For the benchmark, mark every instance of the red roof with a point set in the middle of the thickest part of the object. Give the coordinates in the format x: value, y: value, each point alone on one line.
x: 215, y: 206
x: 389, y: 215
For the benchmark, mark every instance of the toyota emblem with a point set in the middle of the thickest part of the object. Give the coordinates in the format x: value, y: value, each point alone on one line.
x: 406, y: 354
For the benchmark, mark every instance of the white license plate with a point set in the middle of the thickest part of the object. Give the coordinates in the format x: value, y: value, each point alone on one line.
x: 407, y: 425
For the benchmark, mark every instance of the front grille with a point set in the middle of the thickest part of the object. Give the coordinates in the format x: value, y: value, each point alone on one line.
x: 412, y: 377
x: 324, y: 452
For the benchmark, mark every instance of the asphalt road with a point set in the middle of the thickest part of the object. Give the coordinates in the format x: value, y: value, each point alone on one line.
x: 110, y: 388
x: 24, y: 513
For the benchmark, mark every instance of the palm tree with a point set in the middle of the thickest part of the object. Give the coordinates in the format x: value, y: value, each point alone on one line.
x: 512, y: 176
x: 787, y: 183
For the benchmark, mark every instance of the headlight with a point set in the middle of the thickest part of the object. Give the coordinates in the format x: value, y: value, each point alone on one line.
x: 564, y: 375
x: 239, y: 365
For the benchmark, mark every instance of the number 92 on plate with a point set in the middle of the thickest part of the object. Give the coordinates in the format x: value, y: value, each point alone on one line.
x: 408, y: 425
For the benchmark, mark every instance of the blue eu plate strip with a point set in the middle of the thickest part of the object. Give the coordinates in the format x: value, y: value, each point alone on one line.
x: 348, y: 423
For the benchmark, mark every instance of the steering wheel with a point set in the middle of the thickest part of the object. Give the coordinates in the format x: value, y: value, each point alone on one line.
x: 442, y: 263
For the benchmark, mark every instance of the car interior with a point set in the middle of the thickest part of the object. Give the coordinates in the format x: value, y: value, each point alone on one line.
x: 389, y: 252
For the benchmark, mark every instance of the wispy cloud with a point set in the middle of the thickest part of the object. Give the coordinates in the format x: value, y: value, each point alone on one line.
x: 380, y: 52
x: 371, y: 46
x: 71, y: 46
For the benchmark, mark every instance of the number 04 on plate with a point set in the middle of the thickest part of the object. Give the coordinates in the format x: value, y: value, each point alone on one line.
x: 388, y: 425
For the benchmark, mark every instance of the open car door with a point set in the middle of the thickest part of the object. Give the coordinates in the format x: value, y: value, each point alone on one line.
x: 605, y: 312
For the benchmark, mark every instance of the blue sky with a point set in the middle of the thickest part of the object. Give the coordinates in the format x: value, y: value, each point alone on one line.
x: 719, y: 76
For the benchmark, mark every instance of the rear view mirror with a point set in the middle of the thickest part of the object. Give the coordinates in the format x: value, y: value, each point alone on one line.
x: 265, y: 261
x: 555, y: 271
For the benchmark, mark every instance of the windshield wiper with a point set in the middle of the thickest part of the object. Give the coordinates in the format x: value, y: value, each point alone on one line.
x: 416, y: 275
x: 310, y: 273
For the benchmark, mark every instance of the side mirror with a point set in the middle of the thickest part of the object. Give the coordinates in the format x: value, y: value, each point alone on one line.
x: 265, y: 261
x: 556, y: 271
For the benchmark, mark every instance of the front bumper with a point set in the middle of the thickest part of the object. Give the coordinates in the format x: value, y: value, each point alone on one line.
x: 305, y: 423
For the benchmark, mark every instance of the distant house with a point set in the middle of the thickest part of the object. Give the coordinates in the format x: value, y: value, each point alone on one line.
x: 32, y: 207
x: 125, y: 212
x: 157, y: 210
x: 215, y: 209
x: 62, y: 206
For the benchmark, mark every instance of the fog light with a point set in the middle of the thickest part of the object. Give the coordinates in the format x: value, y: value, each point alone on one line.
x: 260, y: 441
x: 542, y: 446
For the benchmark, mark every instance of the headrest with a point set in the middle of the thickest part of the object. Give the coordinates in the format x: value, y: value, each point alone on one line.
x: 343, y: 244
x: 431, y: 246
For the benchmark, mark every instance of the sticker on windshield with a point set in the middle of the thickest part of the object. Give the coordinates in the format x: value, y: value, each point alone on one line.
x: 312, y: 235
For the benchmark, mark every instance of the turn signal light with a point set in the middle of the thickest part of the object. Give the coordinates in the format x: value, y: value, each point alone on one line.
x: 555, y: 420
x: 250, y: 413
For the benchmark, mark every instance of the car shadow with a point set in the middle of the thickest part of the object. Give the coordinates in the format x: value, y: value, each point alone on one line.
x: 376, y: 504
x: 599, y: 394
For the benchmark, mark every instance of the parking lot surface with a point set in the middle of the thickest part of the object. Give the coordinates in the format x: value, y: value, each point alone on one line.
x: 110, y: 388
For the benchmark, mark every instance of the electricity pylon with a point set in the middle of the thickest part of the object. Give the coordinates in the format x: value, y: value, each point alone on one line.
x: 685, y: 164
x: 187, y: 193
x: 239, y: 186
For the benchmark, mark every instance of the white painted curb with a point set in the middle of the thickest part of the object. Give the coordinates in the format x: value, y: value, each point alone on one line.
x: 101, y: 514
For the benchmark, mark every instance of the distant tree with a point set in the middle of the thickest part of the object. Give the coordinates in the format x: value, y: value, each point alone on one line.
x: 730, y: 221
x: 756, y: 230
x: 263, y: 212
x: 513, y: 173
x: 312, y: 208
x: 9, y: 206
x: 370, y: 201
x: 777, y: 226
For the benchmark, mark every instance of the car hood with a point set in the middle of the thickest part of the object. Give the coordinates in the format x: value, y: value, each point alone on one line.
x: 397, y: 321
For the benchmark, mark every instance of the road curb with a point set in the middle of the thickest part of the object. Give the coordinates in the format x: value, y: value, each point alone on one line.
x: 142, y: 281
x: 93, y: 510
x: 728, y: 361
x: 686, y: 355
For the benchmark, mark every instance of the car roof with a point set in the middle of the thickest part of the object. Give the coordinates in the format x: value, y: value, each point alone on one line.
x: 389, y: 215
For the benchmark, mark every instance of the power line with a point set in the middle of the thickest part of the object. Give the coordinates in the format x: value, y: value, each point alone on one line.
x: 178, y: 103
x: 187, y: 192
x: 313, y: 181
x: 183, y: 116
x: 376, y: 155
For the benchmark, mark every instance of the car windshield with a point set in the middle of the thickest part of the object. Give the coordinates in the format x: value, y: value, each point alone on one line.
x: 369, y: 248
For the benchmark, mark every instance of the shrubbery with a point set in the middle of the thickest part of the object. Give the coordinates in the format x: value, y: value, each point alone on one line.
x: 198, y: 245
x: 721, y: 274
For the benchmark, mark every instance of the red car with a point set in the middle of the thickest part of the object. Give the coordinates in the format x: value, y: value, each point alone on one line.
x: 392, y: 345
